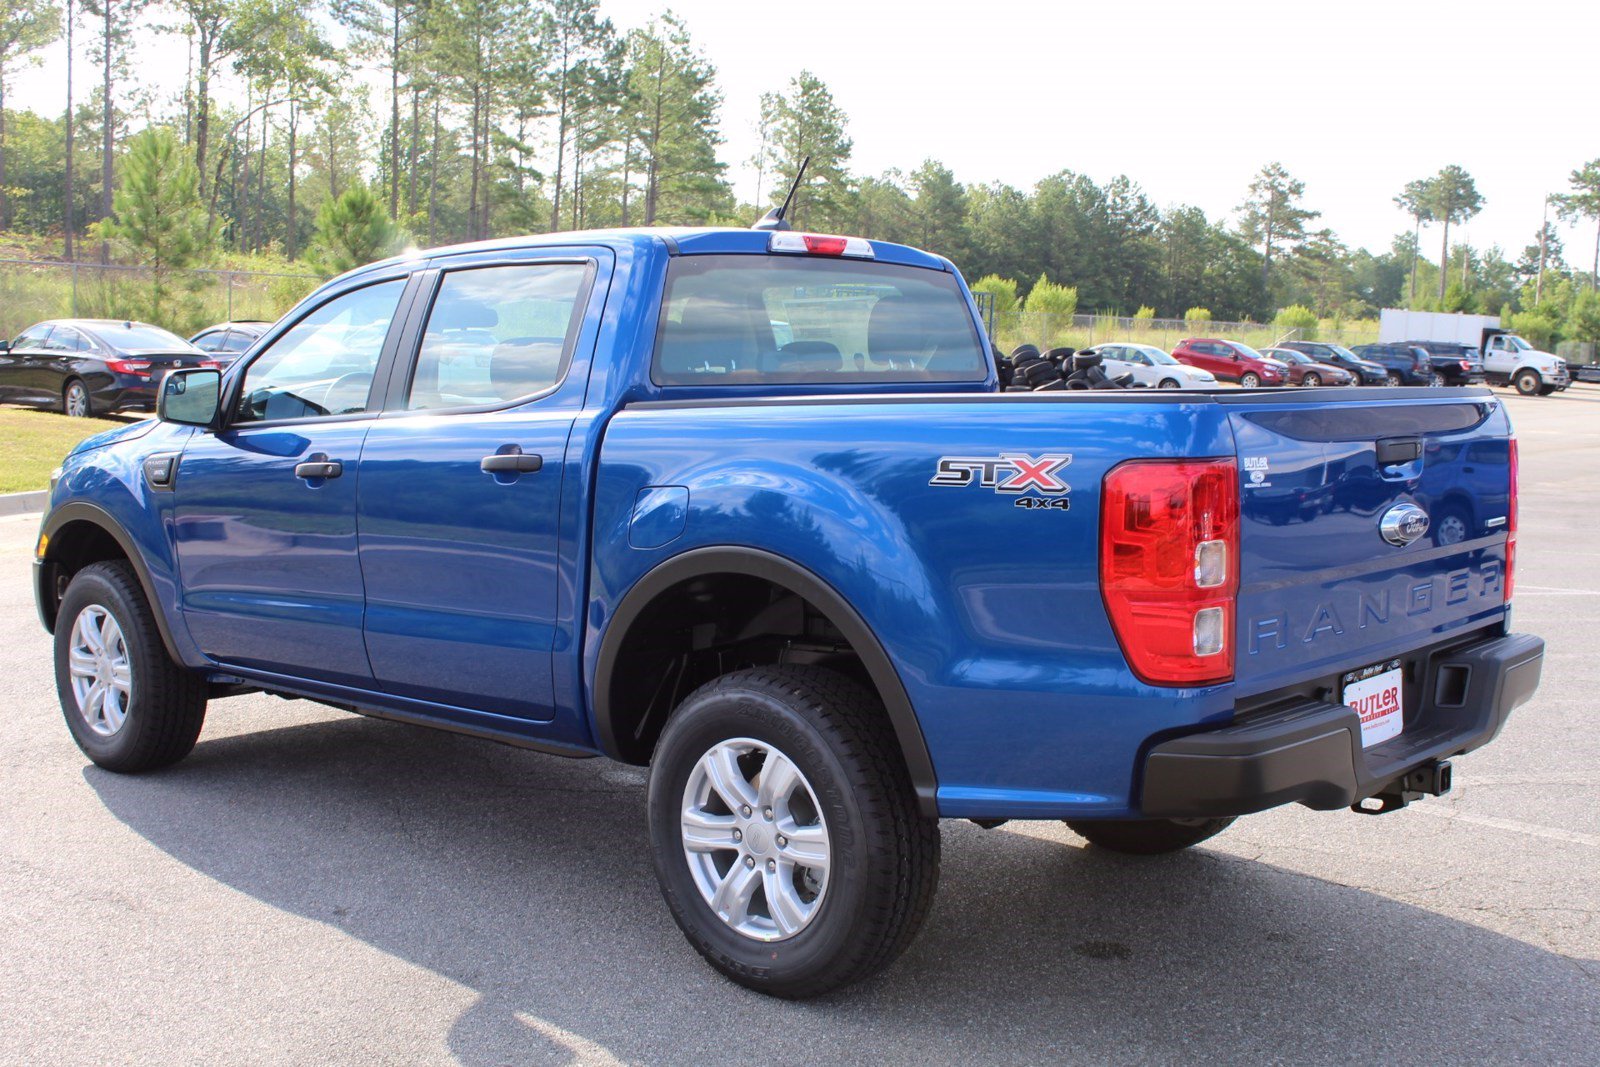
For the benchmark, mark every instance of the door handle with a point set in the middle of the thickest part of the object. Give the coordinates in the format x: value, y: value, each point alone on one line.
x: 319, y: 469
x: 511, y: 463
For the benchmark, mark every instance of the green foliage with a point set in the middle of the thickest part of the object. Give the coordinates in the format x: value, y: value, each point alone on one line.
x: 353, y: 230
x: 1197, y: 316
x: 1298, y: 317
x: 1004, y: 291
x: 157, y: 218
x: 1048, y: 298
x: 1584, y: 203
x: 1458, y: 298
x: 1583, y: 319
x: 805, y: 122
x: 1145, y: 313
x: 1539, y: 326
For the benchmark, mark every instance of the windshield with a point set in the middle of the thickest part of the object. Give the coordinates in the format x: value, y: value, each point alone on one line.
x: 1341, y: 350
x: 1158, y: 357
x: 1518, y: 343
x: 138, y: 337
x: 740, y: 320
x: 1290, y: 356
x: 1247, y: 351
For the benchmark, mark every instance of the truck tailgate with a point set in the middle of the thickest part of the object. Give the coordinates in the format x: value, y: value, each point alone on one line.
x: 1323, y: 589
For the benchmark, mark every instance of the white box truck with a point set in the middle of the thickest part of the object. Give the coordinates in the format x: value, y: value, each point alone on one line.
x: 1507, y: 358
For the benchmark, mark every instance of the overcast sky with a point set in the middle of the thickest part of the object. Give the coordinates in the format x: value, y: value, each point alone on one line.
x: 1355, y: 98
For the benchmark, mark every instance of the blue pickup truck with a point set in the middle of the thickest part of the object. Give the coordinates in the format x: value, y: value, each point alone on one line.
x: 752, y: 509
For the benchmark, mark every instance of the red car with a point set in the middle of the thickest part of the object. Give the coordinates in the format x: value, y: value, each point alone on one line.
x: 1231, y: 361
x: 1303, y: 370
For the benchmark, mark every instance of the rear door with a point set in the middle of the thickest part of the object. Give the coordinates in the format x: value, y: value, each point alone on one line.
x: 460, y: 498
x: 265, y: 510
x: 1324, y: 587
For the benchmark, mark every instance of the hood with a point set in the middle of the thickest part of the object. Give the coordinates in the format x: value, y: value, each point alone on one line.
x: 130, y: 432
x: 1276, y: 364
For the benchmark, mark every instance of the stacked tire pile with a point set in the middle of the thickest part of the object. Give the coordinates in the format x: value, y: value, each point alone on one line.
x: 1027, y: 370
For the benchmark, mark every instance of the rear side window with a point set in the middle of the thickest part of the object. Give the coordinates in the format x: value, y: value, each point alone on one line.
x: 497, y: 334
x: 736, y: 320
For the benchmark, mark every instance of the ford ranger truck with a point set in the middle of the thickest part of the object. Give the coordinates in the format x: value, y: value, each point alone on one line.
x: 749, y: 509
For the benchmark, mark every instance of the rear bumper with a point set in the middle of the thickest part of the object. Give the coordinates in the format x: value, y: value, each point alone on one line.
x: 1309, y: 751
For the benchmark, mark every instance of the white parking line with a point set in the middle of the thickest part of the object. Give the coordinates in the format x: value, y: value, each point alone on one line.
x: 1515, y: 826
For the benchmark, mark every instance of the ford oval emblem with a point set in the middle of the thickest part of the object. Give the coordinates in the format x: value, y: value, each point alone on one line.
x: 1403, y: 524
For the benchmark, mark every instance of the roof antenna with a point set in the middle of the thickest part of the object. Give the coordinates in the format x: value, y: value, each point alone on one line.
x: 775, y: 219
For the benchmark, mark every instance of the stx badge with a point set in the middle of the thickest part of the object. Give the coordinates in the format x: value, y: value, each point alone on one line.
x: 1009, y: 472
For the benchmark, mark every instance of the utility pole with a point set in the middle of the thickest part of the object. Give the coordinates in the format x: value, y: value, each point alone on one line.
x: 67, y: 212
x: 1544, y: 230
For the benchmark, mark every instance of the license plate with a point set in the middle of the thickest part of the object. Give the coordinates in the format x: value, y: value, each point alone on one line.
x: 1375, y: 694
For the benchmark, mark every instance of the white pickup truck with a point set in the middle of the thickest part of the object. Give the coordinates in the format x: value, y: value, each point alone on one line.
x: 1507, y: 358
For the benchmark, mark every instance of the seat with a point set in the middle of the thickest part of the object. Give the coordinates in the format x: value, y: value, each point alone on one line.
x: 711, y: 337
x: 806, y: 357
x: 896, y: 333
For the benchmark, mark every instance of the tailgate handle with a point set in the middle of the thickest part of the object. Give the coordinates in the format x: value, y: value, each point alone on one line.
x: 1393, y: 451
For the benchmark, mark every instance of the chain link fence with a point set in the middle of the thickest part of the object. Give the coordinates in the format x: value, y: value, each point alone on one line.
x: 181, y: 301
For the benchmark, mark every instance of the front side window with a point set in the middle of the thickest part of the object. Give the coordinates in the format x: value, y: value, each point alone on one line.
x: 740, y: 320
x: 323, y: 365
x: 498, y: 334
x: 33, y: 337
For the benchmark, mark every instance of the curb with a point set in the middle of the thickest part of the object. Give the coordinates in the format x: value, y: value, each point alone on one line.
x: 23, y: 503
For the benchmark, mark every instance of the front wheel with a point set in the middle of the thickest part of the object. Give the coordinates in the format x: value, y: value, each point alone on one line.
x: 1392, y: 378
x: 785, y: 831
x: 1436, y: 380
x: 1170, y: 383
x: 75, y: 400
x: 1527, y: 382
x: 1250, y: 381
x: 1147, y: 837
x: 128, y: 705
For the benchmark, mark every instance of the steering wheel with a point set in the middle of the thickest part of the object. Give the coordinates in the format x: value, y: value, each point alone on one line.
x: 348, y: 394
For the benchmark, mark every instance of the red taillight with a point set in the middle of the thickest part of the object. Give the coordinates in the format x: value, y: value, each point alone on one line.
x: 210, y: 364
x: 1169, y: 567
x: 1511, y: 524
x: 140, y: 367
x: 1466, y: 366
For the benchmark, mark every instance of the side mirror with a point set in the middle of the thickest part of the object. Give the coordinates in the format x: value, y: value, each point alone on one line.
x: 5, y: 346
x: 189, y: 397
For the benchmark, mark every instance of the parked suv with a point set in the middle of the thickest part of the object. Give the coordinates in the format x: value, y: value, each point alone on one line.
x: 1459, y: 364
x: 1364, y: 372
x: 1403, y: 364
x: 1231, y: 361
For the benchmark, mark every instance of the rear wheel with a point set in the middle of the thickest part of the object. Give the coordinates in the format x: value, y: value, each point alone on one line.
x: 785, y: 831
x: 1436, y: 380
x: 1250, y: 380
x: 1147, y: 837
x: 1527, y: 382
x: 1392, y: 378
x: 75, y: 400
x: 128, y: 705
x: 1311, y: 380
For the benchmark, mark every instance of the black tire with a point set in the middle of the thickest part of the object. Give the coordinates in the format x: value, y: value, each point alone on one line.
x: 75, y: 400
x: 1527, y: 382
x: 1170, y: 383
x: 838, y: 736
x: 1436, y: 380
x: 1250, y: 380
x: 166, y: 705
x: 1146, y: 837
x: 1549, y: 390
x: 1392, y: 378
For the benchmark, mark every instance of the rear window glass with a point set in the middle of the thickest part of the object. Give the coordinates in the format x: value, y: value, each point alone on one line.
x: 733, y: 320
x: 139, y: 337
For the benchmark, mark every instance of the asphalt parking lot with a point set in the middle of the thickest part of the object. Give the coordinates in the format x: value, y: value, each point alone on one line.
x: 314, y: 887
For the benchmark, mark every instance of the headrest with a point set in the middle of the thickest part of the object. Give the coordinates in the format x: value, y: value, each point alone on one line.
x: 895, y: 330
x: 710, y: 332
x: 798, y: 357
x: 463, y: 315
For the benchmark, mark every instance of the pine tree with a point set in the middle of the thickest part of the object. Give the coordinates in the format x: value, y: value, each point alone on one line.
x: 672, y: 104
x: 1272, y: 215
x: 353, y: 229
x: 1452, y: 197
x: 157, y: 218
x: 805, y: 122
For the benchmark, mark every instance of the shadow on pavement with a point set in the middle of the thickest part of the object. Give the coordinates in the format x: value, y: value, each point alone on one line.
x: 527, y: 878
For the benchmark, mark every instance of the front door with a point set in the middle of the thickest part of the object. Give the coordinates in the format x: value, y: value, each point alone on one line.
x: 460, y: 497
x: 265, y: 509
